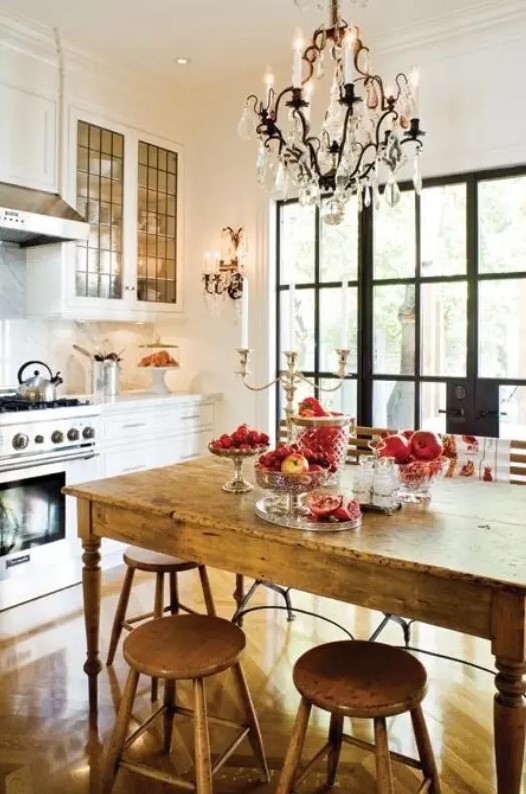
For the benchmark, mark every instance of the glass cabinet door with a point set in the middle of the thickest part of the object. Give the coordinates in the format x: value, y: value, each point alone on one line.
x: 157, y: 224
x: 100, y: 154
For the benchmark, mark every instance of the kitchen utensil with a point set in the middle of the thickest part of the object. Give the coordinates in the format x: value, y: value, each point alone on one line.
x: 106, y: 377
x: 83, y: 351
x: 38, y: 388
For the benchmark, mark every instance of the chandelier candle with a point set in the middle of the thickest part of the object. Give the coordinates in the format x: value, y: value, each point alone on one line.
x: 291, y: 338
x: 364, y: 134
x: 344, y: 316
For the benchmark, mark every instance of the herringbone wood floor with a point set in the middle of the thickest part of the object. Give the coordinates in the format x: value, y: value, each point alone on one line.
x: 46, y: 747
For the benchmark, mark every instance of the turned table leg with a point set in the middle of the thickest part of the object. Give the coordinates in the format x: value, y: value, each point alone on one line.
x: 509, y: 722
x: 91, y: 593
x: 239, y: 593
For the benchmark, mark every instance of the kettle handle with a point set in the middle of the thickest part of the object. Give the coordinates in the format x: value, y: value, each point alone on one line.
x: 28, y: 364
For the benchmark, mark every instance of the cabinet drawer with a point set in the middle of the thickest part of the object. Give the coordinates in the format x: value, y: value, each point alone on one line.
x: 125, y: 461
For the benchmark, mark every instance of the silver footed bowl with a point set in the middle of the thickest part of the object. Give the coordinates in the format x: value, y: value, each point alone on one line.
x: 281, y: 482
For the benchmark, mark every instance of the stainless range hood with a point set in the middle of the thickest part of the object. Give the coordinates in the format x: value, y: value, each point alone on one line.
x: 35, y: 217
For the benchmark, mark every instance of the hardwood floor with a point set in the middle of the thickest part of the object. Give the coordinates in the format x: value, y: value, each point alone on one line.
x: 46, y: 747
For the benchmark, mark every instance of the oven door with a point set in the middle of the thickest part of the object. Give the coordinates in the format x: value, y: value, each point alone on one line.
x: 39, y: 550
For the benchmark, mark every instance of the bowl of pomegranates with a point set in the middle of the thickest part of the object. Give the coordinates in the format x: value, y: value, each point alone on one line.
x: 419, y: 459
x: 288, y: 470
x: 245, y: 442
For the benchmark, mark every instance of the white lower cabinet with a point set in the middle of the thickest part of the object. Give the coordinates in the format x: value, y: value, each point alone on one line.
x: 144, y: 436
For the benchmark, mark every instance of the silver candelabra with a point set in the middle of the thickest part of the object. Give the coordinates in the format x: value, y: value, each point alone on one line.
x: 290, y: 378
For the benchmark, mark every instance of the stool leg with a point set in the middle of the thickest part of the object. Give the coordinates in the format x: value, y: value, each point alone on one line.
x: 254, y: 736
x: 114, y: 751
x: 335, y: 741
x: 120, y: 614
x: 425, y: 750
x: 384, y: 774
x: 203, y: 766
x: 158, y: 613
x: 169, y: 702
x: 292, y: 759
x: 207, y: 593
x: 174, y: 593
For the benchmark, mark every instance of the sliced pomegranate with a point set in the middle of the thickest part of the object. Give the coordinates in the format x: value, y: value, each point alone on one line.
x: 323, y: 504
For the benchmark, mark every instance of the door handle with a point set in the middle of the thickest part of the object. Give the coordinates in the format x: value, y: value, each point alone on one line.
x: 458, y: 412
x: 484, y: 414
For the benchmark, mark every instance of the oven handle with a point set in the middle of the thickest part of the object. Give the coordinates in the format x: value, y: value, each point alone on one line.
x: 41, y: 460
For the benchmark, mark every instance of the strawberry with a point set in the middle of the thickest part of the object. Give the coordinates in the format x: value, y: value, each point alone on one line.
x: 311, y: 404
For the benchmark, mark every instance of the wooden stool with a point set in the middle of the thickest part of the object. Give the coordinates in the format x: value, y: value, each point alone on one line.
x: 138, y: 559
x: 359, y: 679
x: 183, y: 647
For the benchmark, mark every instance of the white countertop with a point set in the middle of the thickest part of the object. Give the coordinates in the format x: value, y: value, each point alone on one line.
x: 131, y: 398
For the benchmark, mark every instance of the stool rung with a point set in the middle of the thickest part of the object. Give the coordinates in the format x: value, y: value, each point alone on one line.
x: 219, y: 720
x: 426, y: 785
x: 303, y: 774
x: 403, y: 759
x: 228, y: 752
x: 144, y: 726
x: 184, y: 608
x: 157, y: 774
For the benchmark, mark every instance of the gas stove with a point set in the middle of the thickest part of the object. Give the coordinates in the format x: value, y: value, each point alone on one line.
x: 34, y: 430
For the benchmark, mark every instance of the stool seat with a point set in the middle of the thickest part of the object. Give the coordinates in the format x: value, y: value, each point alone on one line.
x: 184, y: 646
x: 361, y: 679
x: 144, y: 560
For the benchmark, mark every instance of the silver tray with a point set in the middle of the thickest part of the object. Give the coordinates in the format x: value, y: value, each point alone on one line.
x: 274, y: 510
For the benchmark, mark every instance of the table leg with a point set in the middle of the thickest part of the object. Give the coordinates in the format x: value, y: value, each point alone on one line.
x: 91, y: 593
x: 509, y: 722
x: 239, y: 593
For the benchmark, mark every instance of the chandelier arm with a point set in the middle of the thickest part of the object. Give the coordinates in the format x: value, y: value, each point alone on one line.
x: 348, y: 114
x: 256, y: 100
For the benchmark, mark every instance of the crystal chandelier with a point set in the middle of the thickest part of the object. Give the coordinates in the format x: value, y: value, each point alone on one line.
x: 361, y: 141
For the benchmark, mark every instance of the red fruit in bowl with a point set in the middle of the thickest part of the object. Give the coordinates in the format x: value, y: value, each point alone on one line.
x: 294, y: 463
x: 313, y: 406
x: 396, y: 446
x: 263, y: 439
x: 315, y: 467
x: 426, y: 445
x: 408, y: 434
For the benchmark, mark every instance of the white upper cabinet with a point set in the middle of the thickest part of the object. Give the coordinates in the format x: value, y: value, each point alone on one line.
x: 128, y: 185
x: 28, y: 138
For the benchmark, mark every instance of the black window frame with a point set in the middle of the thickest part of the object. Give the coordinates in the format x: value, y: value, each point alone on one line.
x: 365, y: 377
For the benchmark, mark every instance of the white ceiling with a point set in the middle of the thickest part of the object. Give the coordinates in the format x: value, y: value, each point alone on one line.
x: 220, y: 36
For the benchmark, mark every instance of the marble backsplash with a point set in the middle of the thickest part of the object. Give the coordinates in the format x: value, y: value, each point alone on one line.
x: 23, y: 339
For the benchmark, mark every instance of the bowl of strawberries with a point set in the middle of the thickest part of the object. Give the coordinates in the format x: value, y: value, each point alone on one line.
x: 244, y: 442
x: 419, y: 460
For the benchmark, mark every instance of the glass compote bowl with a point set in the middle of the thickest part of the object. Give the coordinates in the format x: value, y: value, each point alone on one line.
x: 418, y: 477
x: 237, y: 484
x: 286, y: 506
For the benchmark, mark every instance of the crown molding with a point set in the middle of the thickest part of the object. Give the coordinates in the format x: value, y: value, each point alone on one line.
x: 479, y: 17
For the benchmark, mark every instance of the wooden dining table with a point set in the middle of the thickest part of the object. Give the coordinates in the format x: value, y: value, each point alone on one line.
x: 460, y: 563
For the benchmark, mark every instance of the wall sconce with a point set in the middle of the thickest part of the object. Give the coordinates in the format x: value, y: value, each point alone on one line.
x: 224, y: 272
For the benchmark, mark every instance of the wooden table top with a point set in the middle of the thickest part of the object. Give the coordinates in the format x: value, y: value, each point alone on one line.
x: 471, y: 531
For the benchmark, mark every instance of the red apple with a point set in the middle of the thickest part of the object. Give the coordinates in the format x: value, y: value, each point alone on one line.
x: 396, y: 446
x: 426, y: 445
x: 408, y: 434
x: 295, y: 463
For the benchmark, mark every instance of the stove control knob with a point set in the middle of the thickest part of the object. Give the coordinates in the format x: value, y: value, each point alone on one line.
x: 73, y: 434
x: 88, y: 432
x: 20, y: 441
x: 39, y: 439
x: 57, y: 437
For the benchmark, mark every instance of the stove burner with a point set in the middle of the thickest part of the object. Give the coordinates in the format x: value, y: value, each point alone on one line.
x: 9, y: 404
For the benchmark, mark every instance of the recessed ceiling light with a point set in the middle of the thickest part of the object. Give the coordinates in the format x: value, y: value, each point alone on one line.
x: 183, y: 61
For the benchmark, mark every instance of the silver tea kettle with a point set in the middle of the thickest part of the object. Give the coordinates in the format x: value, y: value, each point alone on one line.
x: 38, y: 388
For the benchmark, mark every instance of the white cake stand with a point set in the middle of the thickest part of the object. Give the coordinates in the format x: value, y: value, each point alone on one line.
x: 158, y: 385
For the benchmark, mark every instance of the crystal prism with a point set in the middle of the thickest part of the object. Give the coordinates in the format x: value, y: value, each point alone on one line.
x: 417, y: 176
x: 367, y: 196
x: 392, y: 191
x: 280, y: 183
x: 261, y: 163
x: 245, y: 128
